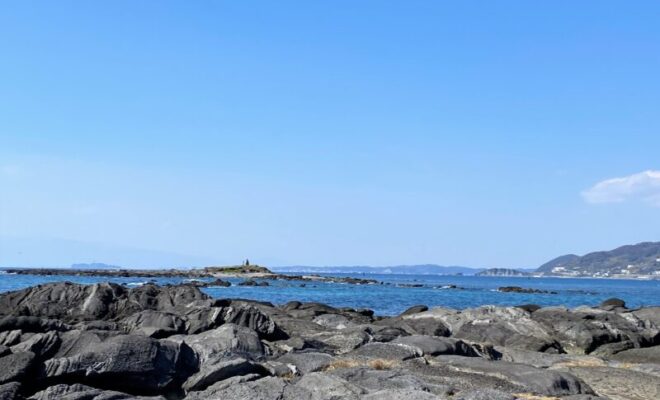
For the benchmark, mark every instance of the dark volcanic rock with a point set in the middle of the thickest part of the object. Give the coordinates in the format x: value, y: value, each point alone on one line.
x: 128, y: 363
x: 109, y: 342
x: 583, y: 330
x: 435, y: 346
x: 16, y: 366
x: 414, y: 310
x: 518, y: 289
x: 156, y: 324
x: 42, y: 345
x: 270, y: 388
x: 9, y: 391
x: 70, y: 302
x: 613, y: 304
x: 84, y: 392
x: 251, y: 282
x: 547, y: 382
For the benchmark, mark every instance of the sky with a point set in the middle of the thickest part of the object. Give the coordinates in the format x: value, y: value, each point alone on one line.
x: 475, y: 133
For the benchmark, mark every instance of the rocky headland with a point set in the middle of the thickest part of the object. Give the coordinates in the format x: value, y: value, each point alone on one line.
x: 107, y: 341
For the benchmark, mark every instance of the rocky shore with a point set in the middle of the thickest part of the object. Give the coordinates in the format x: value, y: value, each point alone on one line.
x: 246, y: 272
x: 106, y: 341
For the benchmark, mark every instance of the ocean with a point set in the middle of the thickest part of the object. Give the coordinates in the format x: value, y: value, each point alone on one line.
x: 391, y: 298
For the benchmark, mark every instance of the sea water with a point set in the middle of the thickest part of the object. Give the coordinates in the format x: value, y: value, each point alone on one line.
x: 395, y: 295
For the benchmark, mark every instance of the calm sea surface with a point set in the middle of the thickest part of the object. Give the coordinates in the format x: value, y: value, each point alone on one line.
x: 391, y: 299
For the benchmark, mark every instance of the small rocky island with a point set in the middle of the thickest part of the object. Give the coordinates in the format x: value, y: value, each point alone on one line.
x: 107, y: 341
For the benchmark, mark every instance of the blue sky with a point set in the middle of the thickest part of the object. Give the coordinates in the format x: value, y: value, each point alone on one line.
x: 327, y: 133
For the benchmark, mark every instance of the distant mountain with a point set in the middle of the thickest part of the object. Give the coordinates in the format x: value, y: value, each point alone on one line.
x: 425, y: 269
x: 502, y: 272
x: 637, y: 259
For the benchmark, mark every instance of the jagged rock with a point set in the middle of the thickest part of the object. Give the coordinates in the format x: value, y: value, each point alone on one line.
x: 583, y: 330
x: 128, y: 363
x: 9, y: 391
x: 30, y: 324
x: 70, y: 302
x: 16, y: 366
x: 222, y: 353
x: 212, y: 372
x: 156, y: 324
x: 253, y: 318
x: 43, y: 345
x: 511, y: 327
x: 10, y: 338
x: 83, y: 392
x: 435, y: 346
x: 649, y: 315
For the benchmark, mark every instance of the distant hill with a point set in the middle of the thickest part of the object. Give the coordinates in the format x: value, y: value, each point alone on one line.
x: 502, y: 272
x: 637, y: 259
x: 425, y: 269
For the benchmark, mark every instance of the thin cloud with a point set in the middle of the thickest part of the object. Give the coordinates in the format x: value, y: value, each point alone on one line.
x: 643, y: 186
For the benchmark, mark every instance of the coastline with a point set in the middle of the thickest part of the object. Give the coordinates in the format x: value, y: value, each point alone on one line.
x: 205, y: 348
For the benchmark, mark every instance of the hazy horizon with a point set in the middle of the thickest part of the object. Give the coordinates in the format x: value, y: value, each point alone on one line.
x: 487, y: 134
